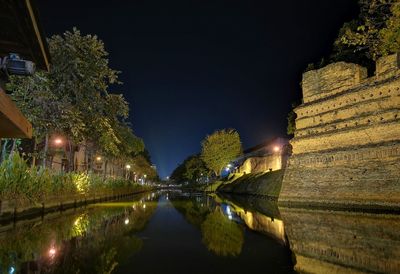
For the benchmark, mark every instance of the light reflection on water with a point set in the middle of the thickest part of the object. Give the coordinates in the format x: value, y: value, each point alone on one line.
x: 172, y: 231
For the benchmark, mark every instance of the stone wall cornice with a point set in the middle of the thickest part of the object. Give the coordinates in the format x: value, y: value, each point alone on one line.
x: 364, y: 87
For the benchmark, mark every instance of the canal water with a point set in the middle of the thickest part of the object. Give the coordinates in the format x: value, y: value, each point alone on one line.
x: 181, y: 232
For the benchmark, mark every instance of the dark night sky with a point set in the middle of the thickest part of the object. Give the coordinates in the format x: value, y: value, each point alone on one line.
x: 191, y: 67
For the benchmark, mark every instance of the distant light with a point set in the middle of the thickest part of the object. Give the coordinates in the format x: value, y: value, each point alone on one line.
x: 145, y: 176
x: 229, y: 165
x: 276, y: 148
x: 98, y: 158
x: 144, y: 206
x: 230, y: 217
x: 227, y: 169
x: 128, y: 166
x: 52, y: 251
x: 126, y: 221
x: 58, y: 141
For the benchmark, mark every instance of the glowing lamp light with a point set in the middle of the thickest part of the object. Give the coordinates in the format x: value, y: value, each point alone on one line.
x: 58, y: 141
x: 128, y: 166
x: 52, y: 252
x: 126, y: 221
x: 98, y: 158
x: 227, y: 169
x: 229, y: 165
x: 145, y: 176
x: 144, y: 206
x: 276, y: 148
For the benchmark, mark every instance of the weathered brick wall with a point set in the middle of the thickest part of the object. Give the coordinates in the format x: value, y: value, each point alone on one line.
x: 346, y: 147
x: 343, y: 242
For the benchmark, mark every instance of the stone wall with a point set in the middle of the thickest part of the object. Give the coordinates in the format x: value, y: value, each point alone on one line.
x: 346, y: 147
x: 261, y: 164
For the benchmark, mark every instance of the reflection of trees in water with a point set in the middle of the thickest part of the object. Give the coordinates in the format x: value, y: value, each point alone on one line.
x: 92, y: 242
x: 221, y: 235
x: 195, y: 212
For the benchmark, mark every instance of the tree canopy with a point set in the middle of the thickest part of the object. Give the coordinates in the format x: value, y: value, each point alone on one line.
x: 219, y: 148
x: 190, y: 170
x: 74, y: 99
x: 375, y: 33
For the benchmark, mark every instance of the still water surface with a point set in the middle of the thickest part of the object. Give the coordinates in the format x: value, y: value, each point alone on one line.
x: 178, y: 232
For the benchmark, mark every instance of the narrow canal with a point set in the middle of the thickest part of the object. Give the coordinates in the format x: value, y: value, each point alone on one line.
x: 180, y: 232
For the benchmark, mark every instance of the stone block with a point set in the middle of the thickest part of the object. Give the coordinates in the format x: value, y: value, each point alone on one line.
x: 331, y: 79
x: 388, y: 66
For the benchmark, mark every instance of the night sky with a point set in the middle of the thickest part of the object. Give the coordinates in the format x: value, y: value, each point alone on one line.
x: 191, y: 67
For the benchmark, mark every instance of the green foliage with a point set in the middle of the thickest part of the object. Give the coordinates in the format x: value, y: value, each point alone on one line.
x: 142, y: 167
x: 190, y: 170
x: 390, y: 35
x: 73, y: 99
x: 375, y: 33
x: 219, y: 148
x: 23, y: 184
x: 222, y: 236
x: 291, y: 118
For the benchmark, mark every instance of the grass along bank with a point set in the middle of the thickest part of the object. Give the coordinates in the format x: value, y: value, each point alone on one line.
x: 24, y: 186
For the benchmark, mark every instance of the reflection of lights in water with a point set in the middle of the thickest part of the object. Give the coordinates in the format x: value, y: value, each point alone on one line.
x: 52, y: 252
x: 126, y: 221
x: 12, y: 270
x: 144, y: 206
x: 133, y: 207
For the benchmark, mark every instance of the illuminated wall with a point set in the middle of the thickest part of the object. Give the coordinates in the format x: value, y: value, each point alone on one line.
x: 346, y: 147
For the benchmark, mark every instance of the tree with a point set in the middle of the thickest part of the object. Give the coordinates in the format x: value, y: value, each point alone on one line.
x: 375, y: 33
x: 195, y: 168
x: 142, y: 167
x: 219, y: 148
x: 73, y: 98
x: 191, y: 169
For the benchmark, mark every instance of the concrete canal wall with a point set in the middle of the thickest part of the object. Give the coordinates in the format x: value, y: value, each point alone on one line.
x: 346, y: 148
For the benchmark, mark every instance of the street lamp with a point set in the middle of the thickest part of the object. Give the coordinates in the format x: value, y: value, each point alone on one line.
x: 276, y: 148
x: 98, y: 158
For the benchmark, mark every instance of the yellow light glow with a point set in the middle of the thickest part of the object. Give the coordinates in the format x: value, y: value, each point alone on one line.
x: 98, y: 158
x: 128, y: 166
x: 276, y: 148
x: 58, y: 141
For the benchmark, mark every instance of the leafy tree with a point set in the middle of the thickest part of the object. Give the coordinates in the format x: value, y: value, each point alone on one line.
x: 219, y: 148
x: 191, y: 169
x: 195, y: 168
x: 291, y: 118
x: 142, y: 167
x: 375, y: 33
x: 81, y: 77
x: 73, y: 98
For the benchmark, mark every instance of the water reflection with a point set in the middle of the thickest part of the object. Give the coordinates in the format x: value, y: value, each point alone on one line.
x: 160, y: 232
x: 343, y: 242
x: 93, y: 241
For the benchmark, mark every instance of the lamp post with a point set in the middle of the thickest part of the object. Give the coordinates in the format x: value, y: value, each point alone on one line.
x: 128, y: 167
